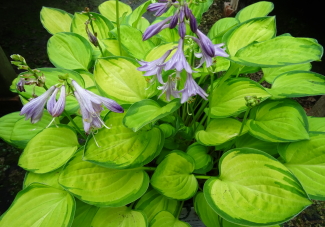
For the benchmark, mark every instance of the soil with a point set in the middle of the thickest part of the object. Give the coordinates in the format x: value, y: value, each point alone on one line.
x: 21, y: 32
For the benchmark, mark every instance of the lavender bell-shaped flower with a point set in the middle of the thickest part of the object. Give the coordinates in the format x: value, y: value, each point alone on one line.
x: 160, y: 8
x: 170, y: 88
x: 205, y: 43
x: 178, y: 61
x: 34, y: 108
x: 91, y: 106
x: 155, y: 28
x: 191, y: 88
x: 55, y: 108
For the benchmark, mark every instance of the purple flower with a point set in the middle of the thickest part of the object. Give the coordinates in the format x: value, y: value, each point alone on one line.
x: 205, y: 43
x: 181, y: 30
x: 170, y: 88
x: 205, y: 57
x: 218, y: 51
x: 92, y: 38
x: 91, y: 106
x: 34, y: 108
x: 178, y: 61
x: 55, y: 108
x: 160, y: 8
x: 155, y: 28
x: 154, y: 67
x: 191, y: 88
x: 193, y: 23
x: 20, y: 85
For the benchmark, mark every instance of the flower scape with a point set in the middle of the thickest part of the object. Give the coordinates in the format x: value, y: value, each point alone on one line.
x: 138, y: 119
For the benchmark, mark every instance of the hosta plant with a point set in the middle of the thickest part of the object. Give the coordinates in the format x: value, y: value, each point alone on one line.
x: 136, y: 118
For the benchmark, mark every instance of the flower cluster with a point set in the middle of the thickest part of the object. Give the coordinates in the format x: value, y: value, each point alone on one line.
x: 178, y: 61
x: 91, y: 105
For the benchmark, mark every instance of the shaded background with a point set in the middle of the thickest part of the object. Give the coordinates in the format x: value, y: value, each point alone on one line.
x: 21, y: 32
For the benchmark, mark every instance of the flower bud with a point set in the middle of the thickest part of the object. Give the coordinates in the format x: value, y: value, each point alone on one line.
x: 173, y: 21
x: 182, y: 30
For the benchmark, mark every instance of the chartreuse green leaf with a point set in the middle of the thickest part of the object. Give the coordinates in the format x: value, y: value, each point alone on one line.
x: 207, y: 215
x: 101, y: 186
x: 108, y: 9
x: 316, y: 124
x: 40, y: 205
x: 254, y: 189
x: 87, y: 77
x: 167, y: 219
x: 203, y: 161
x: 250, y: 141
x: 120, y: 147
x: 153, y: 202
x: 84, y: 214
x: 118, y: 78
x: 24, y: 131
x: 55, y: 20
x: 111, y: 47
x: 199, y: 9
x: 256, y: 29
x: 219, y: 28
x: 159, y: 51
x: 306, y: 160
x: 42, y: 156
x: 130, y: 36
x: 101, y: 25
x: 7, y: 124
x: 228, y: 99
x: 269, y: 74
x: 278, y: 121
x: 279, y: 51
x: 219, y: 131
x: 297, y: 84
x: 70, y: 51
x: 173, y: 177
x: 258, y: 9
x: 50, y: 179
x: 148, y: 111
x: 119, y: 216
x: 135, y: 17
x: 168, y: 130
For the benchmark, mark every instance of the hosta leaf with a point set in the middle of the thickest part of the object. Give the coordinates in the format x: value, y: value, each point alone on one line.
x: 84, y: 214
x: 130, y: 36
x: 199, y: 9
x: 42, y: 156
x: 173, y: 177
x: 207, y: 215
x: 221, y: 26
x: 7, y: 124
x: 219, y: 131
x: 203, y: 161
x: 112, y: 48
x: 118, y: 78
x: 278, y: 121
x: 101, y: 186
x: 136, y: 16
x: 250, y: 141
x: 55, y: 20
x: 168, y: 130
x: 119, y: 216
x: 120, y: 147
x: 40, y: 205
x: 316, y: 124
x: 24, y: 131
x: 159, y: 51
x: 279, y: 51
x: 153, y: 202
x: 108, y: 9
x: 269, y: 74
x: 101, y: 25
x: 229, y: 98
x: 306, y: 160
x: 297, y: 84
x: 147, y: 111
x: 167, y: 219
x: 254, y: 189
x: 258, y: 9
x: 257, y: 29
x: 50, y: 179
x: 70, y: 51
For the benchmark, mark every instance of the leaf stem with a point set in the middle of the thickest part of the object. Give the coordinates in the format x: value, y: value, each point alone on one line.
x: 148, y: 168
x: 180, y: 209
x: 74, y: 124
x: 118, y: 27
x: 210, y: 97
x: 202, y: 177
x: 92, y: 28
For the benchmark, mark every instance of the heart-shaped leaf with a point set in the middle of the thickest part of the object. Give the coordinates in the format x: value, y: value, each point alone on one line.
x: 40, y: 205
x: 84, y: 214
x: 207, y: 215
x: 101, y: 186
x: 147, y: 111
x: 316, y: 124
x: 221, y: 26
x: 108, y: 9
x: 306, y: 160
x: 278, y: 121
x: 254, y: 189
x: 167, y: 219
x: 120, y: 147
x: 203, y: 161
x: 173, y: 177
x: 50, y: 179
x: 55, y: 20
x: 258, y: 9
x: 250, y: 141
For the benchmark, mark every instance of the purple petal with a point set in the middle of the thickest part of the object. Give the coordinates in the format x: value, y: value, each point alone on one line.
x: 52, y: 101
x: 206, y: 43
x: 182, y: 30
x: 193, y: 23
x: 155, y: 29
x: 191, y: 88
x: 173, y: 21
x: 60, y: 104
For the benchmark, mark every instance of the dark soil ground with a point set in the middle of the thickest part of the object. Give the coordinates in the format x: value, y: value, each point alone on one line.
x: 21, y: 32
